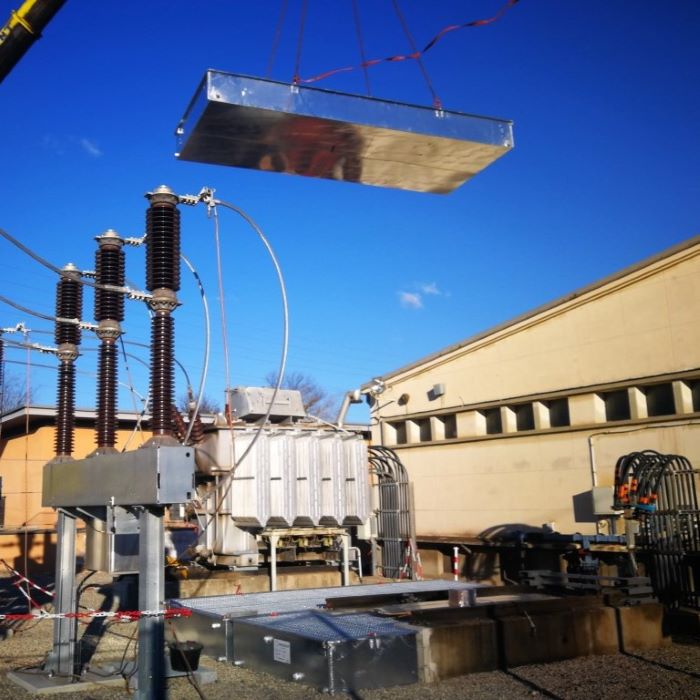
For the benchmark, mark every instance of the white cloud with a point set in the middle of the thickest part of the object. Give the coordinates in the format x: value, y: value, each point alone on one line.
x: 90, y: 147
x: 430, y: 288
x: 411, y: 300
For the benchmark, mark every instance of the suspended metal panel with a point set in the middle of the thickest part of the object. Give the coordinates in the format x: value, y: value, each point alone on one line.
x: 265, y: 125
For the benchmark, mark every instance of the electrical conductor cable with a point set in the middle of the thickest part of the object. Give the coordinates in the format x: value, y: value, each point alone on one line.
x: 131, y: 293
x: 228, y: 479
x: 207, y: 347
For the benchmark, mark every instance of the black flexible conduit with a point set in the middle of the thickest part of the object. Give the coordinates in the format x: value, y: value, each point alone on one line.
x: 659, y: 491
x: 394, y: 514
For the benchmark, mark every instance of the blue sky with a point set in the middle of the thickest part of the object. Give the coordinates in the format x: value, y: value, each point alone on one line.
x: 604, y: 172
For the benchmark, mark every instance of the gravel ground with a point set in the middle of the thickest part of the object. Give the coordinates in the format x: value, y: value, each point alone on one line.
x: 672, y: 672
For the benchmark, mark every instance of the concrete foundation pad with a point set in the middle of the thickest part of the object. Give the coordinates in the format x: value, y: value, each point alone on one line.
x: 641, y: 627
x: 555, y: 630
x: 453, y: 650
x: 41, y: 683
x: 231, y: 582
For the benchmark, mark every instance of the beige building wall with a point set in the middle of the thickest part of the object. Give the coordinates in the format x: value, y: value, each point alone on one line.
x: 27, y: 536
x: 514, y: 426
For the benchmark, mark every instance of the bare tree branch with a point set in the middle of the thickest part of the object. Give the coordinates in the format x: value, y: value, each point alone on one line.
x: 317, y: 401
x: 13, y: 393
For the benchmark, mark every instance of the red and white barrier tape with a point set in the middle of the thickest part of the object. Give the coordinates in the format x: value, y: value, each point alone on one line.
x: 24, y: 579
x: 119, y: 616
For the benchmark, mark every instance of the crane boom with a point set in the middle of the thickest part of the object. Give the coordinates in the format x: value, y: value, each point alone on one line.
x: 22, y: 29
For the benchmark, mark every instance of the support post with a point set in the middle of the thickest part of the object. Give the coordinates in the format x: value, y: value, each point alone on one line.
x: 61, y: 661
x: 273, y: 539
x: 151, y: 657
x: 346, y: 559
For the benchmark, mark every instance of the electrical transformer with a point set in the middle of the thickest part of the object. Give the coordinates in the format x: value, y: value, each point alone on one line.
x: 301, y: 480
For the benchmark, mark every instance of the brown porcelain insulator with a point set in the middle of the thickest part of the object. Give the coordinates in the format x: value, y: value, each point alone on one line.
x: 69, y: 304
x: 162, y: 373
x: 109, y: 269
x: 65, y: 420
x: 163, y: 246
x: 106, y: 427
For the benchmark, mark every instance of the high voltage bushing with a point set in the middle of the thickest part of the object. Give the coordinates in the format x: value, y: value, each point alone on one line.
x: 163, y: 281
x: 197, y: 432
x: 109, y: 311
x: 106, y: 426
x: 69, y: 305
x: 109, y: 270
x: 162, y: 373
x: 163, y: 241
x: 65, y: 420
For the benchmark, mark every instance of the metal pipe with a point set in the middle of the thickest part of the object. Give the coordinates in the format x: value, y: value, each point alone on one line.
x: 594, y: 467
x: 350, y: 397
x: 346, y: 558
x: 359, y: 560
x: 273, y: 540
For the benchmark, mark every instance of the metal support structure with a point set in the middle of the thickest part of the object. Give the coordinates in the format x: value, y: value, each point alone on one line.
x: 151, y: 660
x: 144, y: 481
x: 346, y: 558
x: 61, y: 661
x: 358, y: 558
x: 273, y: 539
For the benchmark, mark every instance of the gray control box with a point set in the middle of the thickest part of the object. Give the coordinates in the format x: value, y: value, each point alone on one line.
x: 251, y: 403
x: 153, y: 475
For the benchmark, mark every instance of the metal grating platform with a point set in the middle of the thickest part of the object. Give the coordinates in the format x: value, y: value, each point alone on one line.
x: 261, y: 124
x: 251, y: 604
x: 323, y: 626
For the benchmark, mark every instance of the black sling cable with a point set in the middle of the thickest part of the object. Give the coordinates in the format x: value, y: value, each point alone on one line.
x: 276, y: 38
x: 300, y: 40
x: 417, y: 54
x: 361, y: 45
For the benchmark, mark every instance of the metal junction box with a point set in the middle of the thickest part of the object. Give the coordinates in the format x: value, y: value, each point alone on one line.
x: 333, y: 652
x: 265, y: 125
x: 251, y: 403
x: 153, y: 475
x: 112, y: 542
